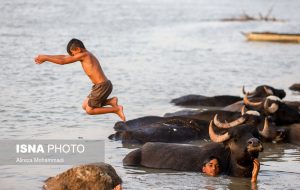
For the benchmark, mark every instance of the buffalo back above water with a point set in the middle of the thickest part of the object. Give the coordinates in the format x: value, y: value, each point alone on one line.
x: 174, y: 129
x: 181, y: 157
x: 199, y: 100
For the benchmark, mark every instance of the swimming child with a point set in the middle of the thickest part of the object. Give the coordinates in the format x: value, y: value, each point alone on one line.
x: 211, y: 166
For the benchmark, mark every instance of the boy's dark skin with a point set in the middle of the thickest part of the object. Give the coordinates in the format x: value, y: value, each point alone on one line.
x: 93, y: 70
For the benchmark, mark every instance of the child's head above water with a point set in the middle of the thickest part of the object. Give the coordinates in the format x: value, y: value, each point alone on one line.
x: 73, y: 45
x: 211, y: 166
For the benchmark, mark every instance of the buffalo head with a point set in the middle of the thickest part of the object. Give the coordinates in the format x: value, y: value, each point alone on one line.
x: 244, y: 145
x: 281, y: 113
x: 264, y: 91
x: 267, y: 131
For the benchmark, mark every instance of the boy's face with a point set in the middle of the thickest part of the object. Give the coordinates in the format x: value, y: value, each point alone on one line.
x: 75, y: 51
x: 211, y: 168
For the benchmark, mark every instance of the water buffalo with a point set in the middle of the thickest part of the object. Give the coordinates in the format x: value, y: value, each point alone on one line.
x: 236, y: 150
x: 180, y: 129
x: 173, y: 129
x: 193, y: 100
x: 267, y: 133
x: 260, y: 93
x: 281, y: 113
x: 265, y: 91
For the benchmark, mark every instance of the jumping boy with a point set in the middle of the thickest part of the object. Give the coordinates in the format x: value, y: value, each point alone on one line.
x: 97, y: 99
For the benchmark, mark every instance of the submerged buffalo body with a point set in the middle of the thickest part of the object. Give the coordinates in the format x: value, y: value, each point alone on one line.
x: 174, y: 129
x: 237, y: 152
x: 181, y: 157
x: 137, y: 123
x: 199, y: 100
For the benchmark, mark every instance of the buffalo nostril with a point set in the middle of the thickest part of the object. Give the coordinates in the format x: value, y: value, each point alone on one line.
x: 254, y: 142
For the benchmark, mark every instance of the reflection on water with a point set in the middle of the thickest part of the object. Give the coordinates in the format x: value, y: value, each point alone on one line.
x: 152, y: 51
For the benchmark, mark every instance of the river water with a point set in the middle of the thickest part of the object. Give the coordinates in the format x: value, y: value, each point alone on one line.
x: 152, y: 51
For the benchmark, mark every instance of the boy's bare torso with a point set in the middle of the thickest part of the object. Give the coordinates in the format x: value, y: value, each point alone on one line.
x: 92, y: 68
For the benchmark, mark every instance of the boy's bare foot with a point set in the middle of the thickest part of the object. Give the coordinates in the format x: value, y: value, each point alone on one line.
x: 120, y: 113
x: 114, y: 102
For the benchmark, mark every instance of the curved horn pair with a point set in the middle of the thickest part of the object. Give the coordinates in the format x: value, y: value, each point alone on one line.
x: 226, y: 125
x: 217, y: 138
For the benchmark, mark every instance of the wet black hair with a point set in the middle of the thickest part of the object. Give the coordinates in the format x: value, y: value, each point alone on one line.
x: 74, y: 43
x: 207, y: 160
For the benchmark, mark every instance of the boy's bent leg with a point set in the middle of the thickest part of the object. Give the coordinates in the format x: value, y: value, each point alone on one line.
x: 104, y: 110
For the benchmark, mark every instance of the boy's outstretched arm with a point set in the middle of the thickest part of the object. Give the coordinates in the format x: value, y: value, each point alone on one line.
x: 59, y: 59
x: 256, y: 168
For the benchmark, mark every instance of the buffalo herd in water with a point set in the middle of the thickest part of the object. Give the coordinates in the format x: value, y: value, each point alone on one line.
x: 236, y: 127
x: 232, y: 127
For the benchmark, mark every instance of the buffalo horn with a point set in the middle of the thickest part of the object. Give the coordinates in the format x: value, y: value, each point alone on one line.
x: 266, y: 130
x: 217, y: 138
x: 247, y: 101
x: 243, y: 110
x: 249, y: 93
x: 226, y: 125
x: 271, y: 109
x: 268, y: 91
